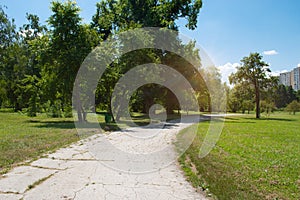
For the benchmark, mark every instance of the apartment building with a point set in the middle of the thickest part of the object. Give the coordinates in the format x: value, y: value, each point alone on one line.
x: 291, y: 78
x: 296, y: 79
x: 285, y: 78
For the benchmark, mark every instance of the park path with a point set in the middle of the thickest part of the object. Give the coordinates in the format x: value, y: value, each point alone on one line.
x: 93, y: 169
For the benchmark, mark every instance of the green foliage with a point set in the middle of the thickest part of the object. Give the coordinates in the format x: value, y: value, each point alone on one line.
x: 68, y: 112
x: 217, y: 91
x: 293, y: 107
x: 241, y: 98
x: 112, y: 15
x: 291, y: 94
x: 54, y: 109
x: 7, y: 33
x: 253, y: 71
x: 39, y: 63
x: 281, y: 101
x: 267, y: 107
x: 31, y: 86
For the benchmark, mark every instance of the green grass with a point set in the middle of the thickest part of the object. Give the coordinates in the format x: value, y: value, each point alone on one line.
x: 254, y: 159
x: 23, y: 138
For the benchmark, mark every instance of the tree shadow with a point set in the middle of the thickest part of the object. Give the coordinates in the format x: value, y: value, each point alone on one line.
x: 63, y: 124
x: 139, y: 121
x: 254, y: 120
x: 272, y: 119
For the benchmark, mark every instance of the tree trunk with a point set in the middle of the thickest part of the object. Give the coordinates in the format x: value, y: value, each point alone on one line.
x: 257, y: 101
x: 209, y: 104
x: 79, y: 114
x: 78, y: 106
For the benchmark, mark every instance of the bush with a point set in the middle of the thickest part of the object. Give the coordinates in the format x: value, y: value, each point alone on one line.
x: 293, y: 107
x: 68, y: 112
x: 267, y: 107
x: 54, y: 110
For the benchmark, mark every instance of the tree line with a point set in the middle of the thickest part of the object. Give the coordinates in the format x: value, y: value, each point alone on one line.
x: 39, y: 62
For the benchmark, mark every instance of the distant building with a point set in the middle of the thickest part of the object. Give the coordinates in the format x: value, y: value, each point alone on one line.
x: 285, y: 78
x: 291, y: 78
x: 296, y: 79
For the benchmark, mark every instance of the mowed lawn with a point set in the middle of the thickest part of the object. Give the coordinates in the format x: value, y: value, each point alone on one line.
x: 23, y: 138
x: 254, y: 159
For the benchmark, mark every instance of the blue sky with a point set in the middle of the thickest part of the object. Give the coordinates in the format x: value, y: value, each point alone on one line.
x: 227, y: 30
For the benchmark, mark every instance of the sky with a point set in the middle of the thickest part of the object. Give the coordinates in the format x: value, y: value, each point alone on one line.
x: 227, y: 30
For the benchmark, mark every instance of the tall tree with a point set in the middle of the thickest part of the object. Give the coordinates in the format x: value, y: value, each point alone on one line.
x: 31, y: 37
x: 70, y: 42
x: 113, y: 16
x: 281, y: 96
x: 252, y: 71
x: 8, y: 37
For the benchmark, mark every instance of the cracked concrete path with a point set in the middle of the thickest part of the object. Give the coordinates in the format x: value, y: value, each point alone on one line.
x: 138, y: 163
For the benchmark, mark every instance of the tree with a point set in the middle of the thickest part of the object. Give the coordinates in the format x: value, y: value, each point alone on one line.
x: 298, y: 95
x: 254, y: 72
x: 70, y: 42
x: 281, y: 96
x: 8, y: 37
x: 112, y: 15
x: 31, y: 37
x: 291, y: 94
x: 7, y: 33
x: 217, y: 91
x: 294, y: 107
x: 241, y: 97
x: 269, y: 95
x: 247, y: 105
x: 116, y: 16
x: 267, y: 107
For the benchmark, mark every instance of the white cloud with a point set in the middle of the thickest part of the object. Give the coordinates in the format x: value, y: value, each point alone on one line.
x: 277, y: 73
x: 299, y: 65
x: 271, y: 52
x: 226, y: 70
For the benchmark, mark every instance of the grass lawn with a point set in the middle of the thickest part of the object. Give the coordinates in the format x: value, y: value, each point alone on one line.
x: 254, y: 159
x: 23, y: 138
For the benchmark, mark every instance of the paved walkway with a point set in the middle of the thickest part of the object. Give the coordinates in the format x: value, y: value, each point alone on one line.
x: 133, y: 164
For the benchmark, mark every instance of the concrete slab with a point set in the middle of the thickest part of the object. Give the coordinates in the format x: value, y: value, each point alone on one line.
x: 65, y: 183
x: 20, y: 178
x: 10, y: 196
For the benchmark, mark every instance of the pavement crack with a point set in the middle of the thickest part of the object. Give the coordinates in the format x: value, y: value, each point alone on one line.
x: 9, y: 192
x: 86, y: 185
x: 83, y: 159
x: 49, y: 168
x: 38, y: 182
